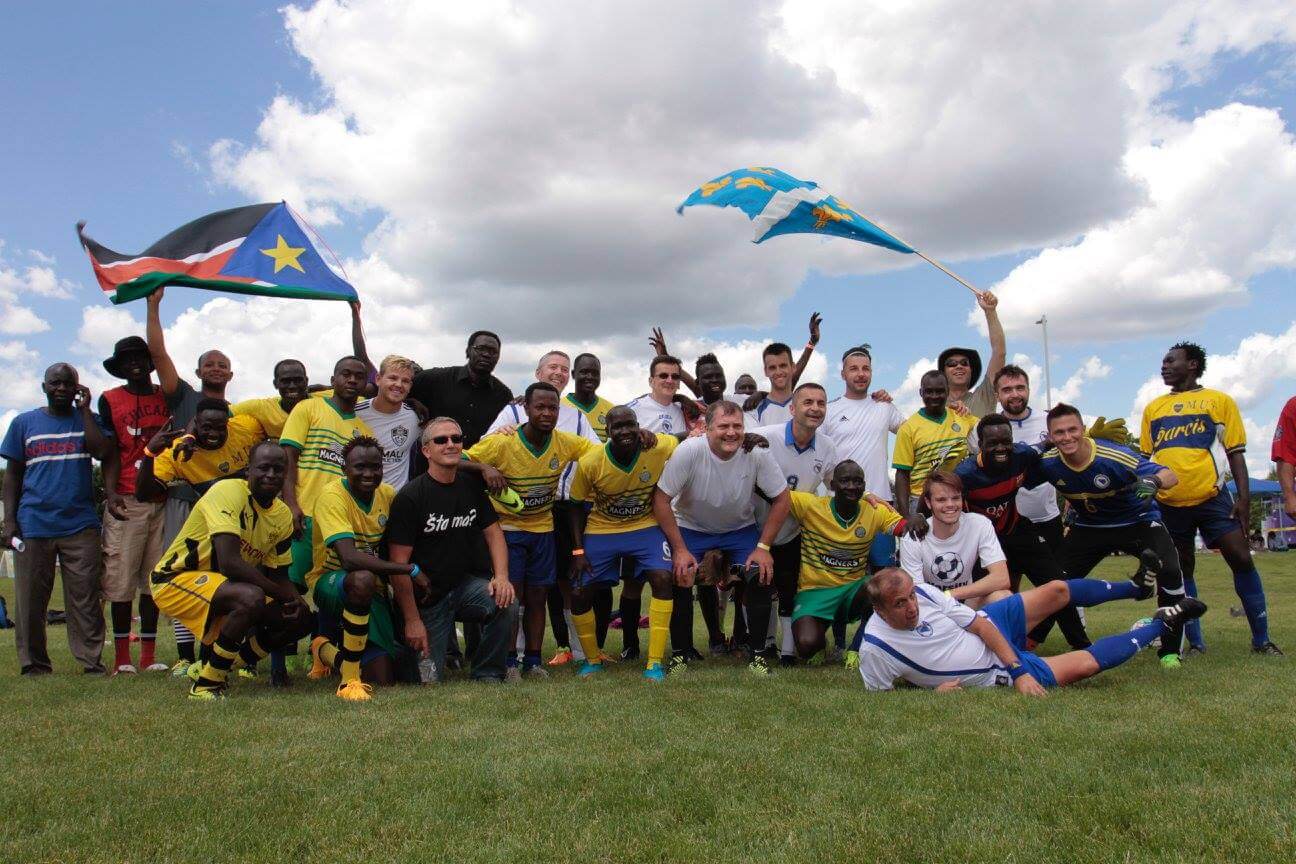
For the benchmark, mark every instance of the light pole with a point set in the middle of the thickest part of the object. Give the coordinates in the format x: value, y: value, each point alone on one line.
x: 1048, y: 381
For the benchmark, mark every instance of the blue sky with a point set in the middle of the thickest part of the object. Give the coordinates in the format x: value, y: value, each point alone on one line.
x: 111, y: 111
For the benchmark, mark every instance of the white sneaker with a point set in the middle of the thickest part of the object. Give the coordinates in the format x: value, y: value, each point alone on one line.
x: 126, y: 669
x: 156, y: 667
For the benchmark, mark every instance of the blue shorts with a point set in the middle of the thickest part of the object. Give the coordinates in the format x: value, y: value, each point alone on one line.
x: 533, y: 558
x: 739, y: 544
x: 1009, y: 616
x: 883, y: 551
x: 1213, y: 517
x: 645, y: 549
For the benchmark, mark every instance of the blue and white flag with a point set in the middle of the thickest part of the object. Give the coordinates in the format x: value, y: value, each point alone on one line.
x: 779, y: 203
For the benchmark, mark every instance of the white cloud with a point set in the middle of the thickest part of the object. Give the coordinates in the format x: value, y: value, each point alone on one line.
x: 1259, y: 436
x: 1091, y: 369
x: 1218, y: 210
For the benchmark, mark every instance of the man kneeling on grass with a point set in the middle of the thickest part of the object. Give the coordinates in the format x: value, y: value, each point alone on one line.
x: 348, y: 581
x: 925, y: 637
x: 225, y: 577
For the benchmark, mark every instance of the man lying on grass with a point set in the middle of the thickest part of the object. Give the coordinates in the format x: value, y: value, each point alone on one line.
x: 925, y: 637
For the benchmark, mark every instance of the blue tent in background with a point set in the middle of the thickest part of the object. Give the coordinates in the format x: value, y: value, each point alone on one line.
x: 1259, y: 488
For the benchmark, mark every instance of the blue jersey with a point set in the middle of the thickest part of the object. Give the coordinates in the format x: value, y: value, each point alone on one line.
x: 1102, y: 492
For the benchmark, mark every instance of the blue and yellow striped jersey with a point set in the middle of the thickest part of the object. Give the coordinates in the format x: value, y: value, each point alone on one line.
x: 1192, y: 433
x: 1102, y: 490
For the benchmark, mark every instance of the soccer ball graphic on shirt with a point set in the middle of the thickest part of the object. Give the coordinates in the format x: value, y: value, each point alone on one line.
x: 947, y: 568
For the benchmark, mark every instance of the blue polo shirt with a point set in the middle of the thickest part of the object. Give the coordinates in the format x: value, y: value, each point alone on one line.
x: 57, y: 496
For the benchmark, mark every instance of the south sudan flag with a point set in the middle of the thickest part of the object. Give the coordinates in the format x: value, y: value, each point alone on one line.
x: 262, y: 249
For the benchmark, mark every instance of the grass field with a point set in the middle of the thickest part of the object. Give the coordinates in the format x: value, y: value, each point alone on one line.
x: 1137, y: 765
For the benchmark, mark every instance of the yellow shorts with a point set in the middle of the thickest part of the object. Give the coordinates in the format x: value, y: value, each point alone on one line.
x: 187, y: 598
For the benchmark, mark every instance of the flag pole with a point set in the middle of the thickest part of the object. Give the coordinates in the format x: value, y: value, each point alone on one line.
x: 932, y: 261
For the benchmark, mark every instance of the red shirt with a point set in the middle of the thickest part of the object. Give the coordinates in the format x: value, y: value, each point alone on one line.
x: 1284, y: 440
x: 133, y: 420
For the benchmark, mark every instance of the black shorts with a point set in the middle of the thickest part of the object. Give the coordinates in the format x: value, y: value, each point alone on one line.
x: 1029, y: 554
x: 787, y: 570
x: 1084, y: 547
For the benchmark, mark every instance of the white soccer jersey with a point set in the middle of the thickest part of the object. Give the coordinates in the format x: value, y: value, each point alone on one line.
x: 859, y: 428
x: 713, y: 494
x: 938, y: 650
x: 950, y: 563
x: 803, y: 470
x: 398, y: 433
x: 768, y: 413
x: 1038, y: 504
x: 570, y: 419
x: 656, y: 417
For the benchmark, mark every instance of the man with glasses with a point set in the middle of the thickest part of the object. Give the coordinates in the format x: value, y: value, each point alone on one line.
x: 657, y: 409
x: 962, y: 366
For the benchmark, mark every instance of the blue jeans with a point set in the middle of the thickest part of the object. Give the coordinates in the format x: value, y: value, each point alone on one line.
x: 470, y: 602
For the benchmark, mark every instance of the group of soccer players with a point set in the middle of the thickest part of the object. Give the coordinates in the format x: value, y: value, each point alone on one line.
x: 369, y: 516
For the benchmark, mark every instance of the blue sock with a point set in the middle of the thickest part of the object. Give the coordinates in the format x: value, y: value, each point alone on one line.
x: 530, y: 659
x: 277, y: 663
x: 1112, y: 651
x: 858, y: 639
x: 511, y: 661
x: 1192, y: 630
x: 1091, y: 592
x: 1251, y: 593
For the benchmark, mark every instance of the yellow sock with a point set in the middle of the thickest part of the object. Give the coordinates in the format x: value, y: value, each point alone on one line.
x: 587, y: 633
x: 659, y: 615
x: 328, y: 652
x: 250, y: 654
x: 215, y: 669
x: 355, y: 636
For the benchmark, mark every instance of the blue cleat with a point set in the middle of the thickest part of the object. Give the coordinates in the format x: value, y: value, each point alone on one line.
x: 654, y: 672
x: 587, y: 669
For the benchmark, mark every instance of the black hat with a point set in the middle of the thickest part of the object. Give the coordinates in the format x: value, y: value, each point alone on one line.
x: 974, y: 358
x: 129, y: 345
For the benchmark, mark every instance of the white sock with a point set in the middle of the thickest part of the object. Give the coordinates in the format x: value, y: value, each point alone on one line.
x: 788, y: 647
x: 577, y: 652
x: 521, y: 640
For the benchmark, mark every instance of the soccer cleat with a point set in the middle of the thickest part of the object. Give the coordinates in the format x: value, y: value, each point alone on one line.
x: 679, y: 665
x: 512, y: 675
x: 279, y: 678
x: 851, y: 660
x: 319, y: 669
x: 719, y: 649
x: 1145, y: 577
x: 126, y: 669
x: 194, y: 671
x: 1170, y: 661
x: 156, y: 667
x: 605, y: 658
x: 180, y: 669
x: 206, y: 694
x: 787, y: 660
x: 833, y: 656
x: 1177, y: 615
x: 355, y: 691
x: 1198, y: 649
x: 759, y: 666
x: 562, y: 658
x: 587, y: 669
x: 630, y: 652
x: 248, y: 672
x: 1268, y: 648
x: 692, y: 654
x: 536, y: 672
x: 654, y: 672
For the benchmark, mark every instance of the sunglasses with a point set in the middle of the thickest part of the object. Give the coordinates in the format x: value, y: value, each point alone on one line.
x: 446, y: 439
x: 957, y: 361
x: 669, y: 376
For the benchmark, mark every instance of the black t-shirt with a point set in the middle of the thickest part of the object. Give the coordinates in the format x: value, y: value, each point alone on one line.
x: 443, y: 522
x: 447, y: 391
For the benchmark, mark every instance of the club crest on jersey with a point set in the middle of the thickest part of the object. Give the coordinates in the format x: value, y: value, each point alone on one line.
x: 201, y: 580
x: 1178, y: 406
x: 553, y: 463
x: 818, y: 466
x: 382, y: 520
x: 400, y: 434
x: 860, y: 531
x: 956, y: 427
x: 792, y: 481
x: 602, y: 419
x: 645, y: 475
x: 1102, y: 481
x: 924, y: 629
x: 223, y: 467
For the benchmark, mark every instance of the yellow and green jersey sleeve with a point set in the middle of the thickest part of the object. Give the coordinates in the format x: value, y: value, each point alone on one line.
x: 265, y: 533
x: 621, y: 495
x: 340, y: 515
x: 318, y: 429
x: 533, y: 473
x: 596, y: 413
x: 230, y: 459
x: 924, y: 443
x: 1192, y: 433
x: 835, y: 551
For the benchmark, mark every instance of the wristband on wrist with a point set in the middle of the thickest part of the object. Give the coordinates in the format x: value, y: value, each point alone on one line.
x: 149, y: 453
x: 764, y: 546
x: 414, y: 570
x: 1015, y: 672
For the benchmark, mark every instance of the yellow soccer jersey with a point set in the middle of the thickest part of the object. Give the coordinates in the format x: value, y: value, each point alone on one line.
x: 265, y: 533
x: 1191, y: 433
x: 835, y: 551
x: 621, y: 494
x: 596, y: 414
x: 338, y: 514
x: 533, y: 473
x: 206, y: 466
x: 268, y: 412
x: 319, y: 429
x: 924, y: 444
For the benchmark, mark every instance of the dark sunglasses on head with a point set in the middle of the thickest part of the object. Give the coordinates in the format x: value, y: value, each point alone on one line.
x: 957, y: 361
x: 669, y: 376
x: 446, y: 439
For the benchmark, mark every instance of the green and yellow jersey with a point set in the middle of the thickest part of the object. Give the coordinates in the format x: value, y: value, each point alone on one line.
x: 596, y: 413
x: 835, y: 551
x: 340, y: 515
x: 621, y: 495
x: 265, y: 533
x: 534, y: 473
x: 318, y: 429
x: 1192, y: 433
x: 925, y: 443
x: 207, y: 466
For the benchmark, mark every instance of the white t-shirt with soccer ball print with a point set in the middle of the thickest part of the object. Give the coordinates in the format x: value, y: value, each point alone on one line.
x: 952, y: 562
